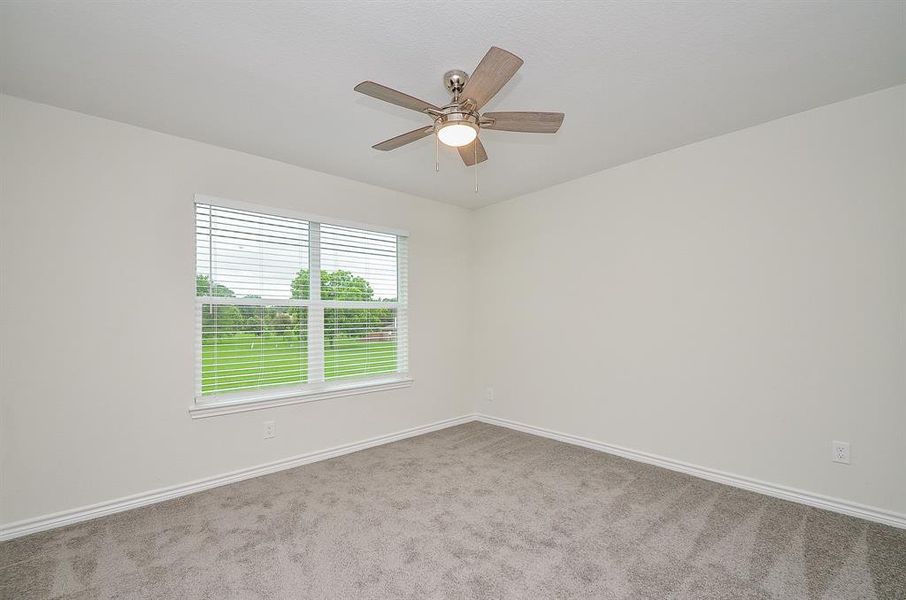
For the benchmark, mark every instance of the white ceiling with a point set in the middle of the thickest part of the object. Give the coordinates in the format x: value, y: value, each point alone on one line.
x: 276, y: 79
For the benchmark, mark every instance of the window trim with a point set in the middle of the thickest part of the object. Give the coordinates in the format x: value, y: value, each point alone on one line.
x: 258, y: 399
x: 246, y: 401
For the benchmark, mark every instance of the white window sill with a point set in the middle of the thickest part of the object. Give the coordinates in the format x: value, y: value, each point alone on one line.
x: 212, y: 407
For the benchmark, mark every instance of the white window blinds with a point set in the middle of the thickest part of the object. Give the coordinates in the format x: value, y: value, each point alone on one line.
x: 285, y: 305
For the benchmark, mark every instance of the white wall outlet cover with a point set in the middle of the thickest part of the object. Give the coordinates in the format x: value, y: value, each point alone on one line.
x: 270, y: 429
x: 840, y: 452
x: 489, y: 394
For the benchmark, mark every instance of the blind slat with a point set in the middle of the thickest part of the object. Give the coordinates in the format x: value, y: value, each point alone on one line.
x: 253, y: 323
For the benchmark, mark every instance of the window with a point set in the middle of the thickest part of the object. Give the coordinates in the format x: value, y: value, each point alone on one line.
x: 288, y: 307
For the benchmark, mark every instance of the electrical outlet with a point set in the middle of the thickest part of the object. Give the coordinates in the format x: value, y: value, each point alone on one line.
x: 840, y: 452
x: 489, y: 394
x: 270, y: 429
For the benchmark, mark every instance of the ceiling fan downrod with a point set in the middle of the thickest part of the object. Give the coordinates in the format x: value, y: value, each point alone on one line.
x: 455, y: 80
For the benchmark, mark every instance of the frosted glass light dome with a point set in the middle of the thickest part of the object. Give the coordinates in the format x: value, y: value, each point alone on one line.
x: 457, y: 134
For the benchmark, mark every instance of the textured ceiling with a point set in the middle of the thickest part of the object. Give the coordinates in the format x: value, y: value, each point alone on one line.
x: 276, y: 79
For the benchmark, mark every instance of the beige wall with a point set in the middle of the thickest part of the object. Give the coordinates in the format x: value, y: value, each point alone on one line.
x: 736, y: 304
x: 96, y: 229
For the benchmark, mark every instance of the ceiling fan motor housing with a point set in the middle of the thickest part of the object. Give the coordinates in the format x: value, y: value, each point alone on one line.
x: 454, y: 114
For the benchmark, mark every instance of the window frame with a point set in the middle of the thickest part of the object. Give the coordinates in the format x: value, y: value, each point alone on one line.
x: 262, y: 398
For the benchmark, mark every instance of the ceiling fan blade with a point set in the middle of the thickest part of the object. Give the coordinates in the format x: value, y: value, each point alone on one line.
x: 491, y: 74
x: 468, y: 151
x: 382, y: 92
x: 528, y: 122
x: 403, y: 139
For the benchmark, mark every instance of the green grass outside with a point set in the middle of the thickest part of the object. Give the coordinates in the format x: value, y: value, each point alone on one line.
x: 245, y: 360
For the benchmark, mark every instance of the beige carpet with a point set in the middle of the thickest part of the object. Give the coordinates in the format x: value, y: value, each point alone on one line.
x: 474, y: 511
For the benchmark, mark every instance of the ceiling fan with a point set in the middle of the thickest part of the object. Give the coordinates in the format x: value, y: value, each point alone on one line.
x: 458, y: 123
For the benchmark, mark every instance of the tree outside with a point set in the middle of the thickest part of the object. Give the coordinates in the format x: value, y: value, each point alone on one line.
x: 345, y: 323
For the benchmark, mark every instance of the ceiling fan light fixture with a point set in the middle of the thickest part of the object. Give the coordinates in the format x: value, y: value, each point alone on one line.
x: 457, y: 134
x: 458, y: 123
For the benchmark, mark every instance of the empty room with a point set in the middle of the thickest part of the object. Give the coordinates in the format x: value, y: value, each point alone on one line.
x: 480, y: 300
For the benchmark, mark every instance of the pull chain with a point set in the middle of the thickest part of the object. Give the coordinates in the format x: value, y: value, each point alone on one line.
x: 436, y: 154
x: 475, y: 147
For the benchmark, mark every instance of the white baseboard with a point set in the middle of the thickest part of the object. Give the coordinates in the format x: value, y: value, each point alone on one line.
x: 837, y: 505
x: 85, y: 513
